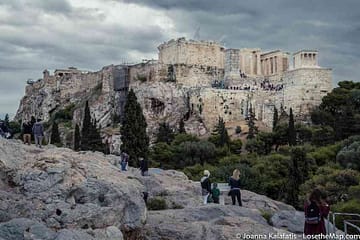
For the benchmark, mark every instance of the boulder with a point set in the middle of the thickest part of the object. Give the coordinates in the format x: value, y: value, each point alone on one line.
x: 64, y: 189
x: 207, y: 222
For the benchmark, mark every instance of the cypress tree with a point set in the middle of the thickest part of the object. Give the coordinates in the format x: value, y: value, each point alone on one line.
x: 55, y: 135
x: 221, y: 135
x: 6, y: 120
x: 296, y: 175
x: 182, y: 126
x: 224, y: 136
x: 86, y: 128
x: 292, y: 133
x: 77, y: 138
x: 133, y: 130
x: 253, y: 130
x: 90, y: 134
x: 275, y: 118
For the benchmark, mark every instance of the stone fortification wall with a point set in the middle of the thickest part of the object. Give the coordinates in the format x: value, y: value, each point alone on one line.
x: 197, y: 76
x: 190, y: 52
x: 233, y: 105
x: 150, y: 71
x: 304, y: 89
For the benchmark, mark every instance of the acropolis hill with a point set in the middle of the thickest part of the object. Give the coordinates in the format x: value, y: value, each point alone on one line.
x: 197, y: 81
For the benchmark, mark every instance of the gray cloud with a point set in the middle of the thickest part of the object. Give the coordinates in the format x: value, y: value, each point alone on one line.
x: 39, y: 34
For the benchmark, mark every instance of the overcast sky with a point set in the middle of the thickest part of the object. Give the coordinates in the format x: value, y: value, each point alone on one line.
x: 89, y: 34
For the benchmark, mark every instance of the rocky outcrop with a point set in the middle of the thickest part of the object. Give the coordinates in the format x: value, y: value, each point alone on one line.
x: 207, y: 222
x: 61, y: 189
x: 166, y: 102
x: 55, y: 193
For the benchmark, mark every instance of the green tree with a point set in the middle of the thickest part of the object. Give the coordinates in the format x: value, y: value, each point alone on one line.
x: 275, y: 118
x: 281, y: 135
x: 222, y: 137
x: 292, y: 132
x: 86, y: 128
x: 340, y: 109
x: 349, y: 156
x: 165, y: 133
x: 182, y: 126
x: 295, y: 176
x: 133, y: 130
x: 55, y: 135
x: 7, y: 120
x: 90, y: 135
x: 235, y: 146
x: 163, y: 154
x: 253, y: 130
x: 77, y: 138
x: 205, y: 150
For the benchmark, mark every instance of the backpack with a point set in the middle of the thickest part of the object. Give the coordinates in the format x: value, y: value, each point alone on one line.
x: 204, y: 184
x: 313, y: 214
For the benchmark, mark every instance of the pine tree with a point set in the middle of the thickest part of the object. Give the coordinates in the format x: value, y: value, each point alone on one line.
x: 55, y: 135
x: 292, y: 133
x: 77, y: 138
x: 165, y: 133
x: 133, y: 130
x: 86, y: 129
x: 182, y: 126
x: 6, y: 120
x: 253, y: 130
x: 275, y: 118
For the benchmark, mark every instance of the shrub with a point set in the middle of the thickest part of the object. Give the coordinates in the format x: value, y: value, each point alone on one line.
x: 156, y: 203
x: 349, y: 156
x: 66, y: 113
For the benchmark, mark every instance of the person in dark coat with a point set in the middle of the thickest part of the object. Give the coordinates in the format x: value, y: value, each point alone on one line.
x: 144, y: 167
x: 27, y: 130
x: 124, y: 161
x: 315, y: 203
x: 38, y: 132
x: 205, y: 186
x: 234, y: 183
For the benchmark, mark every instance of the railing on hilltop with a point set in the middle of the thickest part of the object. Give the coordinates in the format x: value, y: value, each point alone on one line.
x: 353, y: 223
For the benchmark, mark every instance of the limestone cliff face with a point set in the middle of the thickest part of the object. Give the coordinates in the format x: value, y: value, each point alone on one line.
x: 55, y: 193
x: 161, y: 102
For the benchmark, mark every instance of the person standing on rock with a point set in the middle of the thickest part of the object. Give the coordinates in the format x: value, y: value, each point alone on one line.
x: 144, y: 167
x: 27, y: 130
x: 205, y: 186
x: 124, y: 161
x: 234, y: 183
x: 38, y: 132
x: 316, y: 209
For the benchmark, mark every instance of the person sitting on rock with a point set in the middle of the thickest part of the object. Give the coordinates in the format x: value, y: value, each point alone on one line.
x: 234, y: 183
x: 205, y: 186
x: 215, y: 192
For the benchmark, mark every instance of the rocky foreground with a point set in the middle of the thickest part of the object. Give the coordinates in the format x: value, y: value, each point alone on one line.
x: 56, y: 193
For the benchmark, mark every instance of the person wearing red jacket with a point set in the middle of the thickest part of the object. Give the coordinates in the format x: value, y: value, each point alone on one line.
x: 316, y: 209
